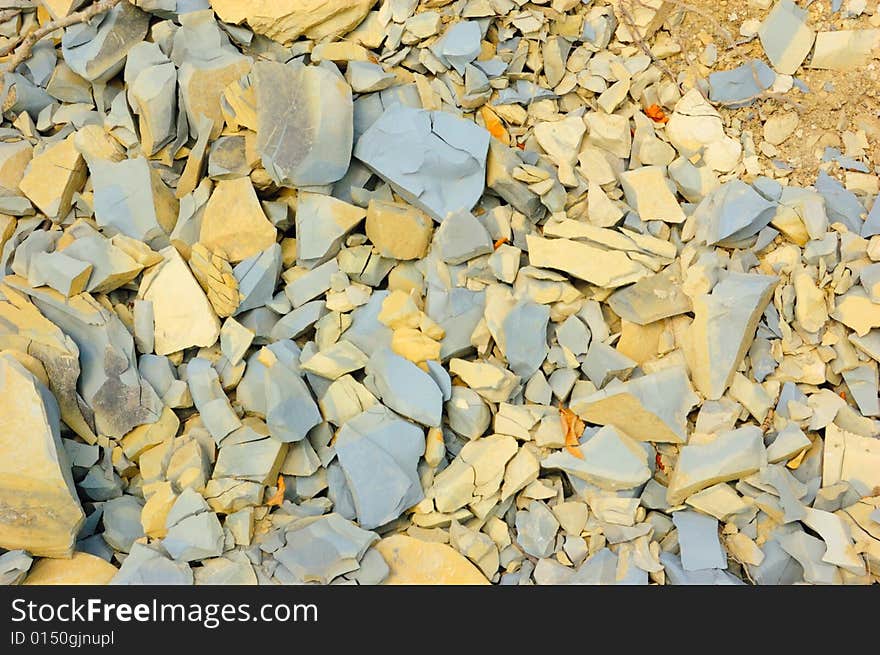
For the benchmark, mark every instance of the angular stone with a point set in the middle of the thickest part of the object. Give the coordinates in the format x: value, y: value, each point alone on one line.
x: 321, y: 224
x: 234, y: 223
x: 53, y: 176
x: 856, y: 310
x: 434, y: 160
x: 146, y: 565
x: 650, y: 193
x: 110, y: 383
x: 413, y: 561
x: 653, y: 407
x: 493, y: 383
x: 845, y: 50
x: 604, y: 268
x: 698, y: 540
x: 536, y: 529
x: 42, y: 511
x: 131, y: 199
x: 398, y: 231
x: 257, y: 277
x: 786, y: 37
x: 732, y: 212
x: 287, y: 20
x: 122, y: 522
x: 321, y: 548
x: 852, y: 458
x: 379, y: 453
x: 723, y: 329
x: 652, y: 298
x: 182, y: 316
x: 406, y: 388
x: 96, y: 51
x: 293, y: 101
x: 611, y: 460
x: 152, y: 90
x: 732, y: 455
x: 460, y: 238
x: 81, y: 569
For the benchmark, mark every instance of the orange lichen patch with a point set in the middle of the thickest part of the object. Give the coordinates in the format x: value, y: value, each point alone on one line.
x: 278, y: 497
x: 572, y: 428
x: 494, y: 125
x: 500, y: 242
x: 659, y: 461
x: 656, y: 114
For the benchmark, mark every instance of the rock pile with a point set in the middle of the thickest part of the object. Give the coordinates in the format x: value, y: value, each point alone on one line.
x: 431, y: 291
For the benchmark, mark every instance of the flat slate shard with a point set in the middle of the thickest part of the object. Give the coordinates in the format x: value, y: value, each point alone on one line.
x: 652, y: 298
x: 732, y: 212
x: 291, y: 410
x: 125, y: 201
x: 322, y: 548
x: 698, y: 539
x: 122, y: 522
x: 742, y: 85
x: 732, y: 455
x: 321, y: 224
x: 96, y: 51
x: 53, y: 176
x: 182, y: 315
x: 611, y: 460
x: 147, y: 565
x: 286, y: 20
x: 81, y: 569
x: 413, y: 561
x: 786, y: 37
x: 604, y: 268
x: 461, y: 237
x: 723, y: 329
x: 845, y: 50
x: 41, y: 510
x: 406, y: 388
x: 434, y: 160
x: 650, y: 193
x: 305, y: 128
x: 109, y: 383
x: 536, y: 529
x: 379, y: 453
x: 653, y: 407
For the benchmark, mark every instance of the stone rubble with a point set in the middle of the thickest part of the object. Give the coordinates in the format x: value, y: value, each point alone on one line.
x: 435, y: 292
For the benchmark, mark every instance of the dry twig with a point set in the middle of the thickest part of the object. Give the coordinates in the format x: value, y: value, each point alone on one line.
x: 634, y: 32
x: 21, y: 47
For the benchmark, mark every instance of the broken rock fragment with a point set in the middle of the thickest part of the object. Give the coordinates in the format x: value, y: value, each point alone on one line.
x: 434, y: 160
x: 42, y: 512
x: 304, y: 123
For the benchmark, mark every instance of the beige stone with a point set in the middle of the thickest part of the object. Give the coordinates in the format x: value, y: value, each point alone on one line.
x: 40, y: 509
x: 53, y: 176
x: 287, y: 20
x: 234, y: 223
x: 605, y: 268
x: 413, y: 562
x: 81, y: 569
x: 398, y: 231
x: 14, y: 159
x: 414, y: 346
x: 183, y: 317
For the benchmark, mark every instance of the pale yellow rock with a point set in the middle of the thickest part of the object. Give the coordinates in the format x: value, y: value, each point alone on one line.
x: 855, y: 310
x: 287, y: 20
x: 604, y: 268
x: 40, y: 509
x: 156, y: 509
x: 413, y: 562
x: 182, y: 315
x: 144, y: 437
x: 399, y: 310
x: 398, y: 231
x: 414, y: 346
x: 81, y: 569
x: 234, y: 221
x: 60, y: 8
x: 53, y: 176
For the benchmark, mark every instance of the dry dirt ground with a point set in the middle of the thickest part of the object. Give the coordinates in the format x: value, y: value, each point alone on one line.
x: 837, y: 103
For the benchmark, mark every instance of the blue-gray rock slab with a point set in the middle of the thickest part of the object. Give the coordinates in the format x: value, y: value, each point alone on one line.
x: 433, y: 159
x: 406, y: 388
x: 379, y: 453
